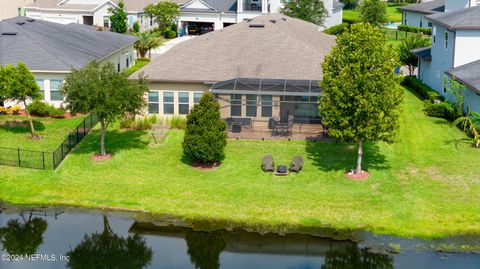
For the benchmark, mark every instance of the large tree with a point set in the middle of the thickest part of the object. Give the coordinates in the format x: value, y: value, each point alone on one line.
x: 163, y: 13
x: 407, y: 45
x: 373, y: 11
x: 119, y: 18
x: 19, y: 84
x: 361, y: 94
x: 313, y: 11
x: 100, y: 89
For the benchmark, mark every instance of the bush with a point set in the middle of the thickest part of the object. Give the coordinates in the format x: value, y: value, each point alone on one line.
x: 424, y: 91
x: 337, y: 29
x: 57, y: 112
x: 170, y: 34
x: 413, y: 29
x: 350, y: 21
x: 176, y: 122
x: 445, y: 110
x: 136, y: 27
x: 39, y: 108
x: 205, y: 138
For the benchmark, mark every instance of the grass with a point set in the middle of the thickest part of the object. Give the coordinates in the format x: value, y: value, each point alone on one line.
x: 139, y: 63
x: 52, y: 130
x: 426, y: 185
x: 393, y: 14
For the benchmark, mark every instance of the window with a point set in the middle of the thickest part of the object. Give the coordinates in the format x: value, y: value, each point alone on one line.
x: 251, y: 105
x: 128, y: 60
x: 267, y: 105
x: 183, y: 103
x: 446, y: 40
x: 106, y: 21
x: 421, y: 23
x: 405, y: 18
x: 55, y: 94
x: 130, y: 20
x: 236, y: 105
x: 197, y: 96
x: 434, y: 34
x: 41, y: 83
x: 168, y: 103
x: 19, y: 11
x: 153, y: 102
x: 430, y: 24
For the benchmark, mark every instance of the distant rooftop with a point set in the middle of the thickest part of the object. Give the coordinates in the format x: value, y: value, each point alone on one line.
x: 468, y: 75
x: 432, y: 7
x: 462, y: 19
x: 49, y: 46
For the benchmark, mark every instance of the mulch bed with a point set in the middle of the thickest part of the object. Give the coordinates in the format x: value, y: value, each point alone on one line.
x: 205, y: 166
x: 98, y: 157
x: 362, y: 176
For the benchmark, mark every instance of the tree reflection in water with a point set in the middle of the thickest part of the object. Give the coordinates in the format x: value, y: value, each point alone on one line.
x: 353, y: 257
x: 204, y: 248
x: 23, y: 238
x: 107, y: 250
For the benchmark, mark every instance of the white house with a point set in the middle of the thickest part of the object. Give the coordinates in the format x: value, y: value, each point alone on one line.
x: 197, y: 16
x: 454, y: 53
x: 51, y: 50
x: 12, y: 8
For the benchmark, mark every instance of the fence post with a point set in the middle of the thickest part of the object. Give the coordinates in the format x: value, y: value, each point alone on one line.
x: 18, y: 155
x: 91, y: 120
x: 84, y: 126
x: 43, y: 159
x: 53, y: 155
x: 77, y: 136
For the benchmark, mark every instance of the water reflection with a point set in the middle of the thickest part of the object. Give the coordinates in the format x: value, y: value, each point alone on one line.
x: 204, y: 249
x: 353, y: 257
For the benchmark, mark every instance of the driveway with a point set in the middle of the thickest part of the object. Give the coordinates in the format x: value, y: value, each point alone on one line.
x: 170, y: 44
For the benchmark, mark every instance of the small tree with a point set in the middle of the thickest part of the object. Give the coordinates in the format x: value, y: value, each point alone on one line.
x: 163, y: 13
x: 407, y: 45
x: 100, y: 89
x: 470, y: 124
x: 19, y: 85
x: 373, y: 11
x: 119, y: 18
x: 136, y: 27
x: 313, y: 11
x: 361, y: 94
x: 205, y: 137
x: 145, y: 43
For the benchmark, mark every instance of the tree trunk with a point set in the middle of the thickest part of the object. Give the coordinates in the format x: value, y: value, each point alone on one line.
x: 32, y: 128
x: 149, y: 54
x: 102, y: 138
x: 358, y: 170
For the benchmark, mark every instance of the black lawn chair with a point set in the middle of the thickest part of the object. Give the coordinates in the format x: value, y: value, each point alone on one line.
x: 268, y: 165
x: 296, y: 164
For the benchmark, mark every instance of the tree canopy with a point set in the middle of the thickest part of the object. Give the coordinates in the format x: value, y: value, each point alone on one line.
x: 100, y: 89
x: 146, y: 42
x: 163, y: 13
x: 23, y: 238
x: 373, y: 11
x: 119, y: 18
x: 361, y: 93
x: 313, y: 11
x: 415, y: 41
x: 205, y: 248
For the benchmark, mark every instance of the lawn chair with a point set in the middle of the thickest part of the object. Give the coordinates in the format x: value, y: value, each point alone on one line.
x: 296, y: 164
x: 268, y: 164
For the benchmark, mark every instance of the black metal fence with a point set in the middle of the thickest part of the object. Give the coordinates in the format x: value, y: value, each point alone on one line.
x: 47, y: 160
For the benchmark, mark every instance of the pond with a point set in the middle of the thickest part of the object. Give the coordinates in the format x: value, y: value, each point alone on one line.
x: 74, y: 238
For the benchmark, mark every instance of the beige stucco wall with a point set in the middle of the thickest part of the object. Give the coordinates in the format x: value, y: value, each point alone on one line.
x: 9, y: 8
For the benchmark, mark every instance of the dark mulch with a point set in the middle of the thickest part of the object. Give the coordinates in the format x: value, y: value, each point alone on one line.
x: 205, y: 166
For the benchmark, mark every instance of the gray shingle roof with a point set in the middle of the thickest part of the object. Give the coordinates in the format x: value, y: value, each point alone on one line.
x: 467, y: 74
x: 423, y: 53
x: 48, y: 46
x: 286, y: 49
x: 463, y: 19
x: 431, y: 7
x: 219, y: 6
x: 130, y: 5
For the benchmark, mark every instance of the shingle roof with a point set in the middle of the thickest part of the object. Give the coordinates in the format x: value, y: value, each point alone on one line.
x: 287, y: 49
x: 130, y: 5
x: 431, y: 7
x: 48, y: 46
x: 468, y: 74
x: 463, y: 19
x: 423, y: 53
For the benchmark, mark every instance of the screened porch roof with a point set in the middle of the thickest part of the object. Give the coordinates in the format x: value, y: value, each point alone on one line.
x: 258, y: 86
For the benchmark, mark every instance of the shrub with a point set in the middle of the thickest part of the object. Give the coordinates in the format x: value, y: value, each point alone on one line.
x: 170, y: 34
x: 423, y: 90
x: 337, y: 29
x: 142, y: 124
x: 136, y: 27
x: 350, y: 21
x: 445, y: 110
x: 176, y: 122
x: 153, y: 119
x: 413, y: 29
x: 57, y: 112
x: 39, y: 108
x: 205, y: 138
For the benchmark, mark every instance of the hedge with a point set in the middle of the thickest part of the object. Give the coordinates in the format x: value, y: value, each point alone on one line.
x: 445, y: 110
x: 413, y: 29
x: 423, y: 90
x: 337, y: 29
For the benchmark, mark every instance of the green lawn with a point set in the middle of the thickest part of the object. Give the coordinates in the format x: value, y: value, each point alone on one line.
x: 426, y: 185
x: 15, y: 132
x: 393, y: 14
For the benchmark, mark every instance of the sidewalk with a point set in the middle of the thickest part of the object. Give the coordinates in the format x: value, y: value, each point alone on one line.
x: 170, y: 44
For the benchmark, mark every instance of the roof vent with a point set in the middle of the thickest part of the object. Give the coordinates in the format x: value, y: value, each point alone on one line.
x: 284, y: 19
x: 273, y: 21
x: 257, y: 25
x: 20, y: 22
x: 9, y: 33
x: 30, y: 20
x: 249, y: 20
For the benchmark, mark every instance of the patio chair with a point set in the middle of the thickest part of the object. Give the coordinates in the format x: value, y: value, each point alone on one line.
x: 268, y: 165
x: 297, y: 164
x: 289, y: 126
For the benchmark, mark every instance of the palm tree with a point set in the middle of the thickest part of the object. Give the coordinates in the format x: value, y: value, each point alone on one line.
x: 470, y: 123
x: 146, y: 42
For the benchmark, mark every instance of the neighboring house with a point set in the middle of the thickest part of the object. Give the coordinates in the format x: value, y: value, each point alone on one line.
x: 51, y: 50
x: 414, y: 15
x: 12, y: 8
x: 454, y: 53
x: 197, y: 16
x: 259, y: 69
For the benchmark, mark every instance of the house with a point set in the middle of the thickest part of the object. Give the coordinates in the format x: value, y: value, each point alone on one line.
x: 414, y: 15
x: 196, y: 17
x: 454, y: 54
x: 13, y: 8
x: 51, y: 50
x: 269, y: 67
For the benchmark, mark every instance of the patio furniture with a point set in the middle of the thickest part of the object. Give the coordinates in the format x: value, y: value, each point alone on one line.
x: 275, y: 125
x: 281, y: 170
x: 289, y: 126
x: 268, y: 165
x: 297, y: 164
x: 236, y: 124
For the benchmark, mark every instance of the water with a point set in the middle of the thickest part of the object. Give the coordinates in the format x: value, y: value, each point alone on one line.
x: 96, y: 239
x: 392, y: 25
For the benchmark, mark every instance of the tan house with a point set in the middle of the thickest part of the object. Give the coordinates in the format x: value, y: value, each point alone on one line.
x: 262, y: 69
x: 13, y: 8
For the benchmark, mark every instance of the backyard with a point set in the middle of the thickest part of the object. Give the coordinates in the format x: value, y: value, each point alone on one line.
x: 393, y: 14
x: 426, y: 185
